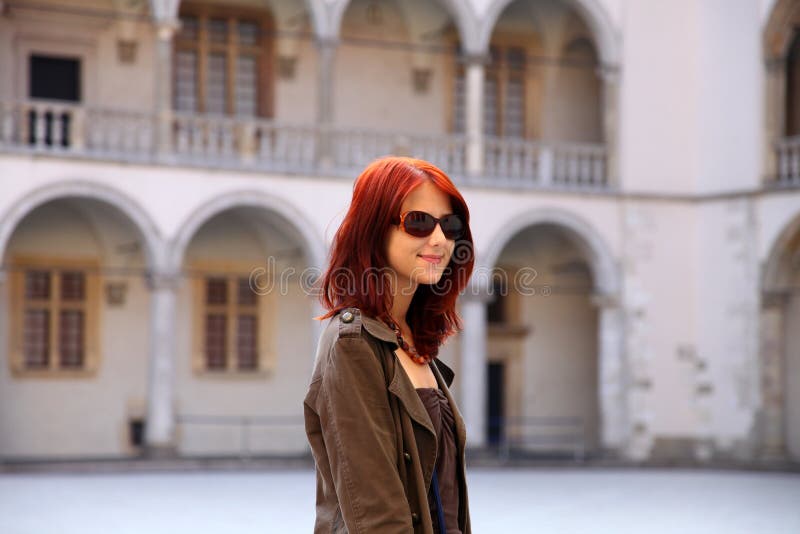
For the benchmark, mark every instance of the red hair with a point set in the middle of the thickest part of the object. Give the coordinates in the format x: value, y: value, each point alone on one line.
x: 358, y: 253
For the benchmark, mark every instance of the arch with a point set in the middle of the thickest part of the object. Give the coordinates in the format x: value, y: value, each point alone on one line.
x: 587, y: 240
x: 778, y: 28
x: 153, y: 244
x: 461, y: 12
x: 596, y: 17
x: 774, y: 274
x: 313, y: 245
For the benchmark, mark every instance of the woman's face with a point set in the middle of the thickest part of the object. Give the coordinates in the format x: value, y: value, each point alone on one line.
x: 420, y: 260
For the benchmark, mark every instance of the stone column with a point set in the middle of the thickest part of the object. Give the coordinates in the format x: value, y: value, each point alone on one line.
x: 165, y: 32
x: 475, y: 78
x: 610, y: 113
x: 160, y: 424
x: 474, y: 362
x: 773, y: 368
x: 326, y: 49
x: 612, y: 378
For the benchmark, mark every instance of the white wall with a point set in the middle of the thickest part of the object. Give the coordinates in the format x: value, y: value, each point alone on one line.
x: 80, y: 416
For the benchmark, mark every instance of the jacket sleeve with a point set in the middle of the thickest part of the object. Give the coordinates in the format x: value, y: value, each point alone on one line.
x: 358, y: 430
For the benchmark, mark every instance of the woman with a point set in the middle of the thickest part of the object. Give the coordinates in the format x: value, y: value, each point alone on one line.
x: 387, y: 438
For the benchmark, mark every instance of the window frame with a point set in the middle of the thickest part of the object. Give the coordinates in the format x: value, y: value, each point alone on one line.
x: 264, y: 308
x: 532, y: 86
x: 80, y: 49
x: 91, y: 307
x: 203, y: 47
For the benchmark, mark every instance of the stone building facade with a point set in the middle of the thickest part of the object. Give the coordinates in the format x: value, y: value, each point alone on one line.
x: 632, y: 169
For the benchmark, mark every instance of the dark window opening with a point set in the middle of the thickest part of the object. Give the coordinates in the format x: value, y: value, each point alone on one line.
x: 52, y: 78
x: 55, y: 78
x: 496, y: 312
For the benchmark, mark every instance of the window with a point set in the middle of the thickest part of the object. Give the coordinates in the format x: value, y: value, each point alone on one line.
x: 232, y: 329
x: 505, y: 90
x: 58, y: 79
x: 54, y: 313
x: 222, y: 63
x: 55, y: 78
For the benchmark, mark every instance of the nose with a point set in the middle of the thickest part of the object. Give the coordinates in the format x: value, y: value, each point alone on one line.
x: 437, y: 236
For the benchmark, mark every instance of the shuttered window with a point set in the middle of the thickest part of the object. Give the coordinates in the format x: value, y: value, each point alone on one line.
x: 231, y: 319
x: 54, y: 318
x: 223, y: 63
x: 504, y: 94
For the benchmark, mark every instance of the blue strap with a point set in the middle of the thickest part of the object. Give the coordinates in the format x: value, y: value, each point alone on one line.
x: 439, y: 510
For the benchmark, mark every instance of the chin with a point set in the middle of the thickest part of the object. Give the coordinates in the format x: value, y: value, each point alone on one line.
x: 430, y: 279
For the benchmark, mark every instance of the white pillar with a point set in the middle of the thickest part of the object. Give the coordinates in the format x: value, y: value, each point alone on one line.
x: 165, y: 31
x: 612, y: 375
x: 773, y: 367
x: 473, y: 107
x: 473, y: 368
x: 160, y: 424
x: 610, y: 105
x: 326, y: 49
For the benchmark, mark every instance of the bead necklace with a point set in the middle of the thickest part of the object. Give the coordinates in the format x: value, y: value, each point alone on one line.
x: 412, y: 352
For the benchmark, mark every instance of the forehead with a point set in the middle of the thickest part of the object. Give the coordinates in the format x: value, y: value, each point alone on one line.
x: 427, y: 197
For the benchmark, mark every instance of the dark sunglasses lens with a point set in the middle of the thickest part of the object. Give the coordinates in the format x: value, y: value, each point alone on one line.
x: 452, y: 226
x: 419, y: 223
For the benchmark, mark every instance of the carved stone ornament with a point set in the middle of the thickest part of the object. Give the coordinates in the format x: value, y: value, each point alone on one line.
x: 126, y: 51
x: 287, y: 66
x: 115, y: 293
x: 421, y: 78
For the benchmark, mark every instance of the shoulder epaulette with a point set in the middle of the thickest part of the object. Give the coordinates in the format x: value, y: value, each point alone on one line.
x: 350, y: 322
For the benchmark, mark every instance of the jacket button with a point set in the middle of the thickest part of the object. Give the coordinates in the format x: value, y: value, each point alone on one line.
x: 347, y: 317
x: 407, y: 457
x: 415, y: 518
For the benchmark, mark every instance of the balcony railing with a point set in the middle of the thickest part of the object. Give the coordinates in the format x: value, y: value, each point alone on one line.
x: 267, y: 145
x: 523, y: 163
x: 787, y: 152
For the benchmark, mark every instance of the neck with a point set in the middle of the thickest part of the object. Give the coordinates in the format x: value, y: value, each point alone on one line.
x: 400, y: 303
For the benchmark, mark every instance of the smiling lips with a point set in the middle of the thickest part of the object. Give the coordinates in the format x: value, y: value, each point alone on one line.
x: 436, y: 260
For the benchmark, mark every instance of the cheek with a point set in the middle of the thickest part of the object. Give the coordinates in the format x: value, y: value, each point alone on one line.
x: 400, y: 251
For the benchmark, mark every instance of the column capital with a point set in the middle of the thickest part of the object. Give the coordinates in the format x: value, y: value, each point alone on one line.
x: 610, y: 74
x: 166, y: 28
x: 326, y: 41
x: 472, y: 58
x: 775, y: 63
x: 158, y: 281
x: 774, y: 298
x: 605, y: 300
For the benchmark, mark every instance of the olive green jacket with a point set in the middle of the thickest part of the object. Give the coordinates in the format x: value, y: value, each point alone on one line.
x: 364, y: 421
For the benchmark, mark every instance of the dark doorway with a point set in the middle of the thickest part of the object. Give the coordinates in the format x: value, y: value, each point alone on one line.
x: 495, y: 411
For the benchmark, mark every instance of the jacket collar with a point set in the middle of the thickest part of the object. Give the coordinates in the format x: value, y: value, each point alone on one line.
x: 381, y: 331
x: 378, y: 329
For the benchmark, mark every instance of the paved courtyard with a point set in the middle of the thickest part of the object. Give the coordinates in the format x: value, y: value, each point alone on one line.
x: 546, y: 501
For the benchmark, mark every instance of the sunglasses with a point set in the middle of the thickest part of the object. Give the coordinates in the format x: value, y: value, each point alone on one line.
x: 421, y: 224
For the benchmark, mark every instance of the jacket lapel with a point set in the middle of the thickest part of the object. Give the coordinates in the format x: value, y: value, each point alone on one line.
x: 403, y: 389
x: 444, y: 377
